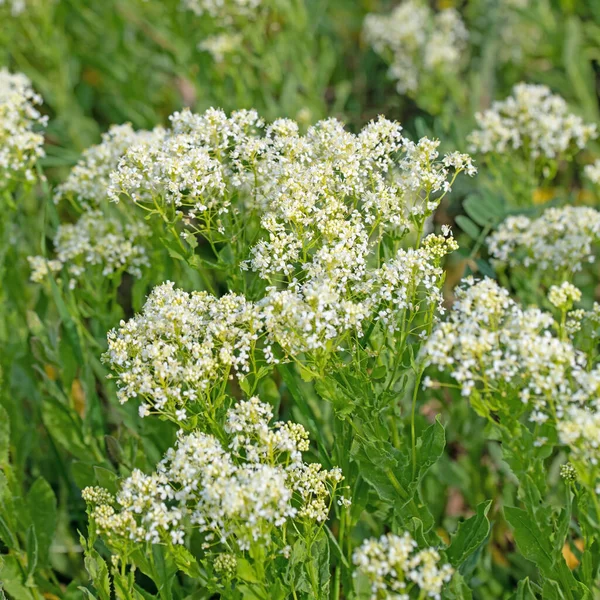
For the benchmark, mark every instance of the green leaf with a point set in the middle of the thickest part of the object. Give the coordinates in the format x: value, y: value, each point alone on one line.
x: 336, y: 546
x: 41, y: 503
x: 470, y: 535
x: 466, y: 225
x: 530, y: 541
x: 107, y: 479
x: 32, y: 551
x: 524, y: 591
x: 11, y: 578
x: 97, y: 569
x: 65, y: 427
x: 68, y: 324
x: 319, y: 554
x: 246, y: 572
x: 164, y: 572
x: 430, y: 447
x: 6, y: 534
x: 4, y: 436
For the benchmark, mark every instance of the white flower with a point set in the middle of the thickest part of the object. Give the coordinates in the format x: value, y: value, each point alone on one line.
x: 89, y: 179
x: 592, y: 172
x: 534, y: 120
x: 21, y: 142
x: 95, y: 241
x: 417, y: 41
x: 394, y: 565
x: 491, y: 347
x: 560, y: 240
x: 241, y: 494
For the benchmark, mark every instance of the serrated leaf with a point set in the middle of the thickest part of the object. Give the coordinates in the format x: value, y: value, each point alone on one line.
x: 97, y: 569
x: 470, y: 535
x: 524, y: 591
x: 530, y: 541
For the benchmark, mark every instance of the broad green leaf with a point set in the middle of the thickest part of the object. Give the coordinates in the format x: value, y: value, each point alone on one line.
x: 470, y: 535
x: 41, y: 503
x: 107, y: 479
x: 466, y: 225
x: 164, y: 572
x: 530, y: 541
x: 246, y: 572
x: 11, y: 577
x: 65, y: 426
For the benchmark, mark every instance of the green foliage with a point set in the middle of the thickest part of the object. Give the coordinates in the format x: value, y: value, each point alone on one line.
x: 470, y: 476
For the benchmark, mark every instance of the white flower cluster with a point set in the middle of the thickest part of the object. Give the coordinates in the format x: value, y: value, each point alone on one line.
x: 579, y: 429
x: 561, y: 239
x: 592, y: 172
x: 17, y: 7
x: 222, y: 44
x: 182, y: 344
x: 327, y: 187
x: 394, y: 566
x: 89, y: 180
x: 94, y: 241
x: 494, y: 348
x: 416, y: 40
x: 323, y: 202
x: 563, y: 296
x: 224, y: 10
x: 533, y: 120
x: 21, y: 144
x: 237, y: 495
x: 315, y: 315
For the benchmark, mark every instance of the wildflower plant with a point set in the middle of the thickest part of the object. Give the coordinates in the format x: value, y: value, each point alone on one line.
x: 243, y: 356
x: 425, y: 50
x: 525, y: 372
x: 21, y: 127
x: 318, y: 244
x: 540, y: 128
x: 554, y: 246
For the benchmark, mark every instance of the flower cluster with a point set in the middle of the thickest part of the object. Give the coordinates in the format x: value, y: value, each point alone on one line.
x: 89, y: 180
x: 579, y: 429
x: 237, y: 495
x: 17, y: 7
x: 21, y: 144
x: 592, y: 172
x: 180, y: 346
x: 532, y: 120
x: 560, y: 240
x: 220, y: 45
x: 564, y: 296
x: 95, y: 241
x: 395, y: 568
x: 417, y: 41
x: 329, y: 187
x: 319, y: 205
x: 493, y: 348
x: 223, y: 10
